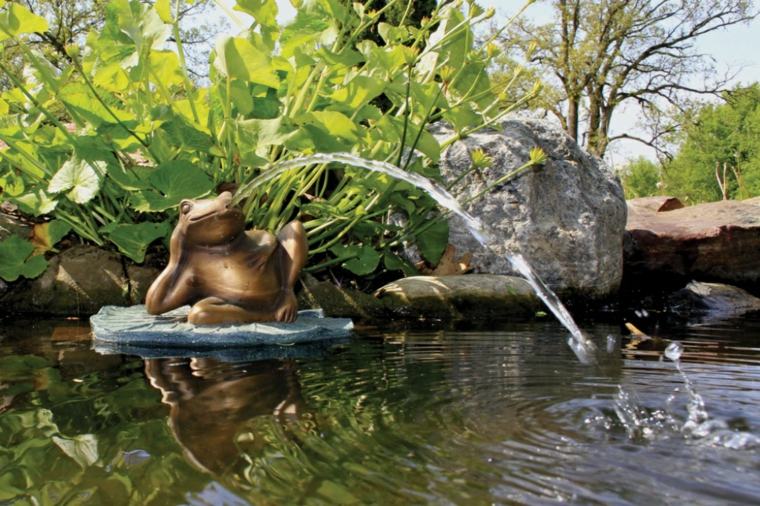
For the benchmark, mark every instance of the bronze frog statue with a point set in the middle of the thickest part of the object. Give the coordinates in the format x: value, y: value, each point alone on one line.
x: 228, y: 274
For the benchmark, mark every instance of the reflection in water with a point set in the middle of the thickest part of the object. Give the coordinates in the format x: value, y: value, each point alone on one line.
x: 210, y: 402
x: 445, y: 417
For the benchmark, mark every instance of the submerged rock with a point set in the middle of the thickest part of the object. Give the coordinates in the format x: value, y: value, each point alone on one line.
x: 718, y: 241
x: 566, y: 217
x: 712, y: 301
x: 468, y: 297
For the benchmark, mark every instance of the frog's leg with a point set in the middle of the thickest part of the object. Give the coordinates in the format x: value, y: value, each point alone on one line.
x: 213, y: 310
x: 292, y: 258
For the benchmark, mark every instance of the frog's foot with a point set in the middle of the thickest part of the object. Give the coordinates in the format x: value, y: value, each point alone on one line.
x: 287, y: 310
x: 213, y: 310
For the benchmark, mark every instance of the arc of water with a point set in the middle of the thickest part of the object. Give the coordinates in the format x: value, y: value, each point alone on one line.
x: 578, y: 342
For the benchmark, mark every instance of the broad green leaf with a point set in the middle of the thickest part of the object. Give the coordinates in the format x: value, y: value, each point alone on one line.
x: 172, y: 181
x: 133, y: 239
x: 16, y: 259
x: 433, y: 241
x: 262, y: 133
x: 129, y: 179
x: 140, y: 23
x: 363, y: 260
x: 12, y: 184
x: 3, y: 107
x: 359, y: 91
x: 236, y: 57
x: 303, y: 32
x: 80, y: 98
x: 83, y: 449
x: 182, y: 133
x: 393, y: 262
x: 46, y: 235
x: 166, y: 68
x: 241, y: 97
x: 335, y: 123
x: 17, y: 19
x: 36, y: 203
x: 112, y: 78
x: 80, y: 178
x: 263, y: 11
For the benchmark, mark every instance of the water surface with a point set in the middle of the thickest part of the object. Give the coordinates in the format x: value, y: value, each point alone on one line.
x: 445, y: 417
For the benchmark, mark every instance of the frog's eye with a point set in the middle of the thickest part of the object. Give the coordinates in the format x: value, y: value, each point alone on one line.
x: 185, y: 207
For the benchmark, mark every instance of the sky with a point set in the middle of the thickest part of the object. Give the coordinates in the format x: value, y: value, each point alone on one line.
x: 736, y: 49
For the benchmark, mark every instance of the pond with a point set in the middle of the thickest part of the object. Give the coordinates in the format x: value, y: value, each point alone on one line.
x: 444, y: 417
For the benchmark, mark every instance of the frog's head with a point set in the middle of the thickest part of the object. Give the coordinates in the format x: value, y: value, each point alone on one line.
x: 210, y: 222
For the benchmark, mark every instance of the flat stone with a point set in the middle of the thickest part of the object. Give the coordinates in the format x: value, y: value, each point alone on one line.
x: 466, y: 297
x: 133, y: 326
x: 717, y: 241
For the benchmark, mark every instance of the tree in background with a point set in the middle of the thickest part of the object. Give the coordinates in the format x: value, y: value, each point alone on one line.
x: 641, y: 178
x: 598, y: 55
x: 719, y: 155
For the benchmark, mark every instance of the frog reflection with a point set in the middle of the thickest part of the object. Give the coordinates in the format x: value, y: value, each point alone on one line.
x: 210, y: 401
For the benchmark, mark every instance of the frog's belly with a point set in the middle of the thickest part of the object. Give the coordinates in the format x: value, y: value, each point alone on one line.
x: 249, y: 286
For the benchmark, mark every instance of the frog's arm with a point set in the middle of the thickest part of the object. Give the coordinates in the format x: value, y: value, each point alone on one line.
x: 292, y: 238
x: 170, y: 290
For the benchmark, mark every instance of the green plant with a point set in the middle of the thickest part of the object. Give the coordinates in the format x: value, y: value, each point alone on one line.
x: 111, y: 143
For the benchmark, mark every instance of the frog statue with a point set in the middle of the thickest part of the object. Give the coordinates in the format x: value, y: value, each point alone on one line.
x: 228, y: 274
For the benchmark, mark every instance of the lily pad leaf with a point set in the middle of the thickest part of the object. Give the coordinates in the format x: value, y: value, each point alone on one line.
x: 16, y: 259
x: 133, y: 239
x: 172, y: 181
x: 80, y: 178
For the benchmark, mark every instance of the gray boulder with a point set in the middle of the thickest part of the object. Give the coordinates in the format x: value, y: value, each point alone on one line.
x: 567, y: 217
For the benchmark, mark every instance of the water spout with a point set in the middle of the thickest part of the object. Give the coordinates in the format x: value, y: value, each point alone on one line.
x: 579, y: 343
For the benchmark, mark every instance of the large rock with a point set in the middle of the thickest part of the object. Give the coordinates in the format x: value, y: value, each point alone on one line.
x: 718, y: 241
x: 77, y: 282
x: 567, y: 217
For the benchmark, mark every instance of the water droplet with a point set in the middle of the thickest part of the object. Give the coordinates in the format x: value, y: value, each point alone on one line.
x: 611, y: 344
x: 674, y: 351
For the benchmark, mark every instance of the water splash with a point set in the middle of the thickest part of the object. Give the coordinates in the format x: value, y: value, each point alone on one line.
x: 698, y: 426
x: 583, y: 348
x: 698, y: 423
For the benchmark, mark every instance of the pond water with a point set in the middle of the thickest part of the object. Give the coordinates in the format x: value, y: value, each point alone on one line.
x: 445, y: 417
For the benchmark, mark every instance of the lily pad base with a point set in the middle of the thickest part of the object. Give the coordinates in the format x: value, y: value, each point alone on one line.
x: 134, y: 327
